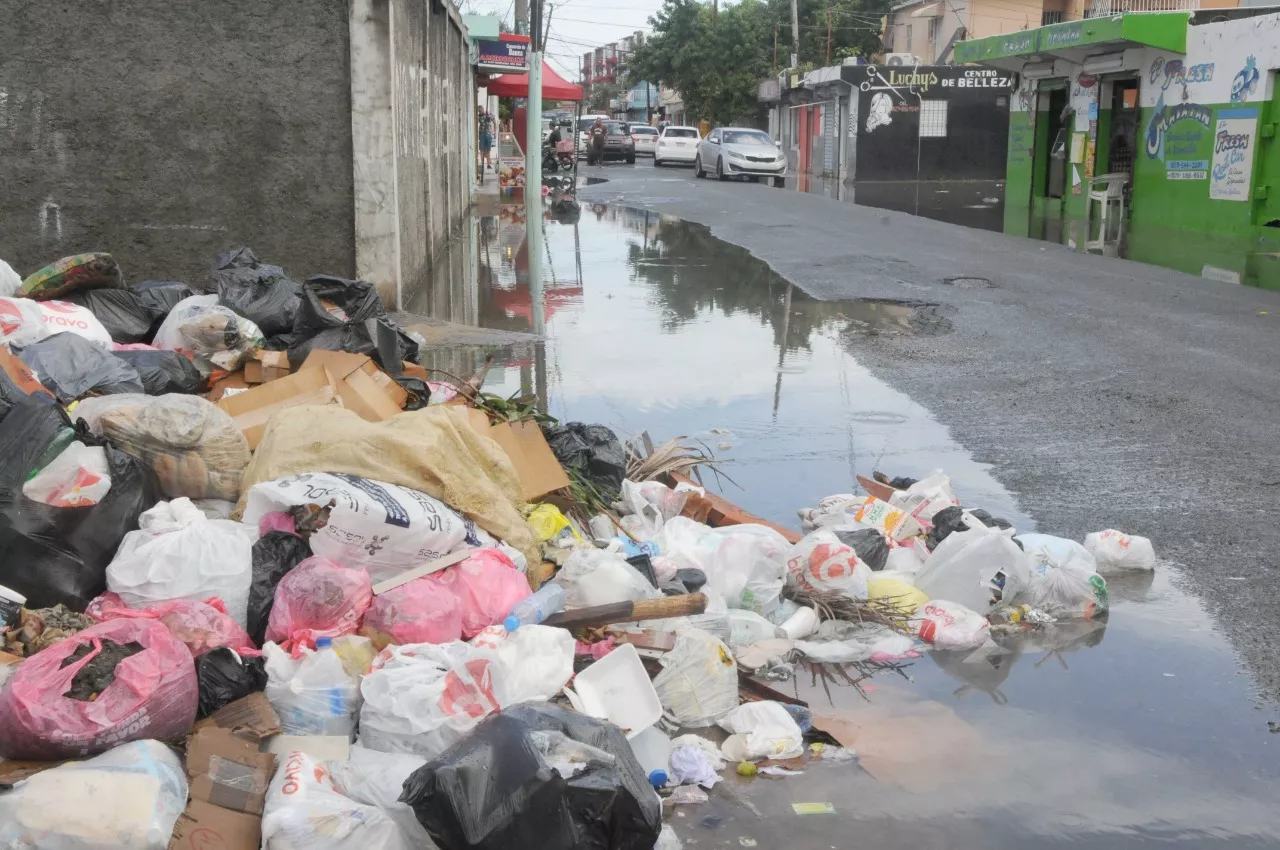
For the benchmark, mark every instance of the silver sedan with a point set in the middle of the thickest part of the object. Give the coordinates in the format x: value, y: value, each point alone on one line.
x: 740, y: 152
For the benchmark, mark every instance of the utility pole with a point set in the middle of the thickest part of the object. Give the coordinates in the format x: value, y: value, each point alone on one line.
x: 775, y: 45
x: 828, y: 62
x: 533, y: 170
x: 795, y: 35
x: 551, y: 8
x: 522, y: 17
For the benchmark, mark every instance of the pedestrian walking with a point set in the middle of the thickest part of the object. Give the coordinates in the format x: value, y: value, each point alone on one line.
x: 486, y: 140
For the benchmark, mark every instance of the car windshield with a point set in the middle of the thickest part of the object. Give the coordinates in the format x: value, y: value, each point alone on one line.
x: 747, y: 137
x: 585, y: 124
x: 643, y: 131
x: 680, y: 133
x: 617, y: 129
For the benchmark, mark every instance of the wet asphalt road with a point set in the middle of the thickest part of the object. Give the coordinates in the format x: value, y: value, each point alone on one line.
x: 1105, y: 393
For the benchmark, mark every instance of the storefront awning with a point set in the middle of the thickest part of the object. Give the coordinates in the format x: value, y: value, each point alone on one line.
x: 1074, y: 40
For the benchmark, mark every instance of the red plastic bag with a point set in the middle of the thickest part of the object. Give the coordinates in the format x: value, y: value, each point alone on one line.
x: 153, y: 696
x: 318, y: 598
x: 420, y: 611
x: 202, y: 626
x: 487, y: 586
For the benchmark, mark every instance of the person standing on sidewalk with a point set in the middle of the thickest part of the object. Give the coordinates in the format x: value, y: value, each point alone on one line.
x: 486, y: 140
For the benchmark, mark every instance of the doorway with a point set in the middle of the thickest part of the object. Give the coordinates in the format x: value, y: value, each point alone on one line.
x: 1058, y: 133
x: 1122, y: 143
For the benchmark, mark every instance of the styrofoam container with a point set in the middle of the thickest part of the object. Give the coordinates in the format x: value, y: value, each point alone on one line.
x: 617, y: 688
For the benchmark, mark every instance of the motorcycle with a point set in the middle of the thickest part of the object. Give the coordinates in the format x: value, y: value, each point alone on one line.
x: 557, y: 157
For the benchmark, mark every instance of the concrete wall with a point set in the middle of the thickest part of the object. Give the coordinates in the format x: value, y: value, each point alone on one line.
x: 164, y: 132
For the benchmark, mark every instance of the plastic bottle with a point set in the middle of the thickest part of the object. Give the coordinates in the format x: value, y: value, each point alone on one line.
x: 652, y: 749
x: 64, y: 438
x: 334, y: 710
x: 536, y: 608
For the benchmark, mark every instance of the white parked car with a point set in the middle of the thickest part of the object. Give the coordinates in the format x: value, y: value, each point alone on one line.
x: 645, y: 137
x: 740, y: 152
x: 676, y: 144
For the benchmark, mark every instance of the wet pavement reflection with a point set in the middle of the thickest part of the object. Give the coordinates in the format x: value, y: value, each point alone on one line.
x: 1134, y: 732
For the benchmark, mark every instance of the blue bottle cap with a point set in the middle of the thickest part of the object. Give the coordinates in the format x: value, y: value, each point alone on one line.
x: 657, y: 778
x: 511, y: 623
x: 323, y: 642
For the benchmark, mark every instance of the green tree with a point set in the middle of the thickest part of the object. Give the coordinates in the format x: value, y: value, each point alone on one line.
x: 602, y: 93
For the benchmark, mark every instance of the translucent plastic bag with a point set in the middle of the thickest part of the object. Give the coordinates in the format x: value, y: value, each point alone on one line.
x: 487, y: 586
x: 820, y: 562
x: 201, y: 626
x: 77, y: 478
x: 126, y: 799
x: 596, y: 577
x: 382, y: 527
x: 303, y: 809
x: 1115, y: 550
x: 1067, y: 590
x: 177, y: 553
x: 978, y: 568
x: 151, y: 694
x: 318, y: 598
x: 193, y: 446
x: 760, y: 730
x: 746, y: 564
x: 71, y: 367
x: 314, y: 693
x: 698, y: 683
x: 216, y: 334
x: 950, y: 625
x: 420, y: 611
x: 377, y: 779
x: 10, y: 281
x: 21, y: 321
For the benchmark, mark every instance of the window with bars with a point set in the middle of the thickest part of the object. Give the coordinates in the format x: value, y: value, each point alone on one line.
x: 1051, y: 17
x: 933, y: 119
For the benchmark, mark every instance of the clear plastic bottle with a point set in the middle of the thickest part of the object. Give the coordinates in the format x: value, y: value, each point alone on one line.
x: 329, y: 698
x: 536, y: 608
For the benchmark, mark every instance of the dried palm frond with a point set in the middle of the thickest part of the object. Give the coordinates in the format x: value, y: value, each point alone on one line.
x: 647, y: 462
x: 837, y: 606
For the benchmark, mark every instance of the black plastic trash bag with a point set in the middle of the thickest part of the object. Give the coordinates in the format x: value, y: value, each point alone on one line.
x: 10, y: 393
x: 225, y: 677
x: 121, y: 312
x: 872, y: 546
x: 358, y: 324
x: 260, y: 292
x: 419, y: 392
x: 164, y: 371
x: 274, y: 554
x: 594, y: 451
x: 60, y: 555
x: 497, y: 788
x: 951, y: 519
x: 70, y: 366
x: 158, y: 297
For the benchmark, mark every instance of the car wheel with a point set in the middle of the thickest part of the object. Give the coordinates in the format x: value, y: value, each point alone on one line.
x: 720, y: 175
x: 697, y: 166
x: 657, y: 163
x: 753, y: 178
x: 779, y: 182
x: 631, y: 160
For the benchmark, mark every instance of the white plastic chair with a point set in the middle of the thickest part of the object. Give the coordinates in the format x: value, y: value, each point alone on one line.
x: 1108, y: 191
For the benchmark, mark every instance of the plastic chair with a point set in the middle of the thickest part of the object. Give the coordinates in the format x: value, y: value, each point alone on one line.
x: 1108, y: 190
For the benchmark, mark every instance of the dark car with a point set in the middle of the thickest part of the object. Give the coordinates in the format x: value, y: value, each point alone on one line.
x: 618, y: 143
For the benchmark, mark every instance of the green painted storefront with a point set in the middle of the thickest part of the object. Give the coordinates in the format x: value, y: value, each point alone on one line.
x: 1196, y: 121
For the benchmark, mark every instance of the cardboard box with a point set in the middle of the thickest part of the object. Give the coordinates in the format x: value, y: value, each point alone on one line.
x: 251, y: 409
x: 264, y: 366
x: 344, y: 367
x: 251, y: 717
x: 204, y: 826
x: 536, y: 465
x: 227, y: 386
x: 413, y: 370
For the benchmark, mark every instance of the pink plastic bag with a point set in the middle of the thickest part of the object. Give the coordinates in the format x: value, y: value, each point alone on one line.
x: 318, y: 598
x: 201, y: 626
x: 421, y: 611
x: 487, y: 586
x: 153, y: 696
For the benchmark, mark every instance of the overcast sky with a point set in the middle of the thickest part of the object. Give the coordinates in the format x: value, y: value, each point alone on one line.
x: 577, y: 25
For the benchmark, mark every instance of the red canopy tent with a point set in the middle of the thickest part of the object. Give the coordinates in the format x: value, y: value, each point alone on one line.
x: 554, y: 86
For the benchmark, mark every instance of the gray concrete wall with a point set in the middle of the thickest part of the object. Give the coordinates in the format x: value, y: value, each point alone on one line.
x: 165, y: 131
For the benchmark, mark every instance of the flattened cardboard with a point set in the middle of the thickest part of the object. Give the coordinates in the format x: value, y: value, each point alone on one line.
x: 20, y: 373
x: 228, y: 771
x: 251, y: 409
x: 413, y: 370
x: 540, y: 473
x: 204, y: 826
x: 234, y: 381
x: 344, y: 365
x: 250, y: 717
x: 318, y: 747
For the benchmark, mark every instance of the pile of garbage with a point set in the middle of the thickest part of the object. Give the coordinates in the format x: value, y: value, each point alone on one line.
x: 266, y: 585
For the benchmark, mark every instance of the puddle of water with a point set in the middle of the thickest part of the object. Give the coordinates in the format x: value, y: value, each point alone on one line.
x: 1135, y: 732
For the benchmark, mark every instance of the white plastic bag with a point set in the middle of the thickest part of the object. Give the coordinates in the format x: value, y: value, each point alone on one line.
x: 1115, y: 550
x: 62, y: 316
x: 21, y: 321
x: 978, y: 568
x: 745, y: 564
x: 128, y: 798
x: 377, y: 779
x: 761, y: 730
x: 313, y: 694
x: 216, y: 334
x: 748, y: 627
x: 304, y: 811
x: 10, y: 281
x: 950, y: 625
x: 698, y: 683
x: 926, y: 497
x: 76, y: 478
x: 903, y: 559
x: 647, y: 506
x: 1064, y: 579
x: 596, y: 577
x: 422, y: 698
x: 177, y: 553
x: 382, y: 527
x: 821, y: 562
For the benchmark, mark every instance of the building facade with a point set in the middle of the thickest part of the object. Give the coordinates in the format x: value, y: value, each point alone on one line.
x: 1183, y: 107
x: 332, y: 136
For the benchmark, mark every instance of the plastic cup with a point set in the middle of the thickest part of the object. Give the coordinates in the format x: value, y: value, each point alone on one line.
x: 800, y: 624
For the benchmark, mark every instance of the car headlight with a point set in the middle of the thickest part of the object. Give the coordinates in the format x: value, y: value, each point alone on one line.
x: 736, y: 155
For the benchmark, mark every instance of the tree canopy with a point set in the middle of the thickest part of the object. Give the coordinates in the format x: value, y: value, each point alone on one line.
x: 716, y: 60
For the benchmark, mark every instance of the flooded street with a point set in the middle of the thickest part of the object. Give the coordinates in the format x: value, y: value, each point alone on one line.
x: 1141, y: 731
